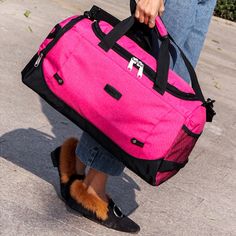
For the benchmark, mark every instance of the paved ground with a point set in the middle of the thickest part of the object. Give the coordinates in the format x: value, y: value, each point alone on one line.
x: 200, y: 200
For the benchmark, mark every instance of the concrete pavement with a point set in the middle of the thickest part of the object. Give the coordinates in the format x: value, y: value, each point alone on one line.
x: 200, y: 200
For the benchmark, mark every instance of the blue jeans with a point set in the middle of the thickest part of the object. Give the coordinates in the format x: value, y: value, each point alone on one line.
x: 92, y: 154
x: 187, y: 22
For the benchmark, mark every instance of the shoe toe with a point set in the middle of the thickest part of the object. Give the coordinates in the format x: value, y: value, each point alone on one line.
x: 127, y: 225
x: 119, y: 221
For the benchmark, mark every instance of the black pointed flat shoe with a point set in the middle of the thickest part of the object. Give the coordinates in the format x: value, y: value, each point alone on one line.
x: 75, y: 195
x: 64, y: 159
x: 118, y: 221
x: 99, y: 211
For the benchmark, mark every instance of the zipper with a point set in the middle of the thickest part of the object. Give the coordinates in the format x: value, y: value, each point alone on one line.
x: 141, y: 69
x: 144, y: 69
x: 62, y: 31
x: 36, y: 64
x: 136, y: 61
x: 133, y: 61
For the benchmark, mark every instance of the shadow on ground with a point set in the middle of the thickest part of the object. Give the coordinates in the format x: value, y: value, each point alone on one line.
x: 30, y: 149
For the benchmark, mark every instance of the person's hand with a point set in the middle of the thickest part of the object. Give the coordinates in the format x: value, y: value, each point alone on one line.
x: 147, y: 11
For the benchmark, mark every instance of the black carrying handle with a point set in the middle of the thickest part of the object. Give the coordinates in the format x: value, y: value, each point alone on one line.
x: 161, y: 79
x: 195, y: 85
x: 163, y: 60
x: 160, y: 84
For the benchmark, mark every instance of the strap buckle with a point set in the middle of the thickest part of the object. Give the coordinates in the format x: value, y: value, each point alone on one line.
x: 210, y: 113
x: 92, y: 13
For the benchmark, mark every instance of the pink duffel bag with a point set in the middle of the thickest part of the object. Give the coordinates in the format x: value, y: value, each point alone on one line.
x: 101, y: 74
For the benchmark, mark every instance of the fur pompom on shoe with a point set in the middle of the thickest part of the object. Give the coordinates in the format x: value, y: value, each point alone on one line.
x: 64, y: 158
x: 74, y: 192
x: 78, y: 192
x: 99, y: 211
x: 67, y: 160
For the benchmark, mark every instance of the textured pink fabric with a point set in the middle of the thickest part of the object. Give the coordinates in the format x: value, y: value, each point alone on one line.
x: 62, y: 24
x: 141, y: 113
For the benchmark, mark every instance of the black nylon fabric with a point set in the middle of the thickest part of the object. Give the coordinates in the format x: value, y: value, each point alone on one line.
x: 120, y: 29
x: 170, y: 166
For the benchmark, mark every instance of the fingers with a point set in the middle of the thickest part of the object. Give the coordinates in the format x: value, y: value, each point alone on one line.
x: 146, y: 19
x: 151, y: 22
x: 147, y: 11
x: 140, y: 11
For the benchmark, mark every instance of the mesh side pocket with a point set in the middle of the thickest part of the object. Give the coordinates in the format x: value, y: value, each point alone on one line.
x: 178, y: 153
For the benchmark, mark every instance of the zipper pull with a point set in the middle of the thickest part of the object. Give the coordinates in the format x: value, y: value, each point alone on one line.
x: 58, y: 79
x: 36, y: 64
x: 132, y: 62
x: 140, y: 71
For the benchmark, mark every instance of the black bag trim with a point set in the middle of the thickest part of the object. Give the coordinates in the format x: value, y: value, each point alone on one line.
x: 171, y: 166
x: 60, y: 33
x: 190, y: 133
x: 54, y: 33
x: 113, y: 92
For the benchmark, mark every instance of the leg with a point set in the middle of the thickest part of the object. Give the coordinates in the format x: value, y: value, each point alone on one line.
x: 179, y: 18
x: 92, y: 154
x: 90, y: 195
x: 80, y: 167
x: 195, y: 40
x: 64, y: 159
x: 101, y: 162
x: 187, y: 21
x: 95, y: 182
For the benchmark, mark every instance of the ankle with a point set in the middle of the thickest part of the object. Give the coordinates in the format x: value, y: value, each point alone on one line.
x: 80, y: 172
x: 80, y: 167
x: 99, y: 194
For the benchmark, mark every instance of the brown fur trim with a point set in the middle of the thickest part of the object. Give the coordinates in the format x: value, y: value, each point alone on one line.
x: 79, y: 192
x: 68, y: 159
